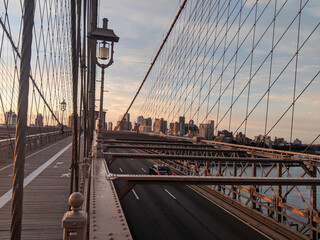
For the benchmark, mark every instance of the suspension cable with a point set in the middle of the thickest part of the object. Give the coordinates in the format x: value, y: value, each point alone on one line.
x: 153, y: 62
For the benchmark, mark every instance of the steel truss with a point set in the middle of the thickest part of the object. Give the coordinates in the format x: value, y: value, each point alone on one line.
x: 282, y: 187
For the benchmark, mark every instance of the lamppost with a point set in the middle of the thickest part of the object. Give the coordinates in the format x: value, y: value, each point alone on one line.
x: 106, y: 38
x: 63, y: 107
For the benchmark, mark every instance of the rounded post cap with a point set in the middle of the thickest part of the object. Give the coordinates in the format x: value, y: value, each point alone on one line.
x: 76, y: 200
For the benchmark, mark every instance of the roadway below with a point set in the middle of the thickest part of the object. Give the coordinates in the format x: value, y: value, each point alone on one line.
x: 174, y: 212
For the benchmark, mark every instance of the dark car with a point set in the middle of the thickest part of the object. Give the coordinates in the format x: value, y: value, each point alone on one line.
x: 160, y: 170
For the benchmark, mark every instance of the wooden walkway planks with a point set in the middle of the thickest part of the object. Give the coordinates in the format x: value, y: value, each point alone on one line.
x: 45, y: 198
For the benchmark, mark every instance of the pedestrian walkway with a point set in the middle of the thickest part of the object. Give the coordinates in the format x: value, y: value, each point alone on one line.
x: 46, y: 191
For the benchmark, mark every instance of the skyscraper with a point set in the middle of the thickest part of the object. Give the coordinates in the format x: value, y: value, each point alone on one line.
x: 39, y: 120
x: 206, y: 130
x: 181, y: 125
x: 127, y: 117
x: 140, y: 120
x: 11, y: 118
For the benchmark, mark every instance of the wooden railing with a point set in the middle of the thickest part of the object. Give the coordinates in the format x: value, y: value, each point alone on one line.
x: 32, y: 142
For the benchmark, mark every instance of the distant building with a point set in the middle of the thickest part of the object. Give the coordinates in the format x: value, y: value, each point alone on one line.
x: 242, y: 139
x: 148, y: 121
x: 124, y: 126
x: 39, y: 120
x: 164, y: 127
x: 205, y: 131
x: 261, y: 139
x: 297, y: 142
x: 117, y: 127
x: 110, y: 125
x: 182, y: 125
x: 127, y: 117
x: 191, y: 128
x: 160, y: 126
x: 145, y: 124
x: 280, y: 142
x: 10, y: 119
x: 173, y: 128
x: 140, y: 120
x: 224, y: 136
x: 70, y: 121
x: 176, y: 128
x: 211, y: 122
x: 145, y: 128
x: 136, y: 127
x: 225, y: 133
x: 156, y: 125
x: 96, y: 115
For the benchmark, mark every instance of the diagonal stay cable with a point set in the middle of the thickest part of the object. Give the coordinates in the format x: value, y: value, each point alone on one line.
x: 32, y: 79
x: 295, y: 100
x: 267, y: 56
x: 310, y: 144
x: 154, y: 60
x: 278, y: 77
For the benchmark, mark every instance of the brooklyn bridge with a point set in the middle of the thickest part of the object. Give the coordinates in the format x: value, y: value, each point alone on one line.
x: 189, y: 119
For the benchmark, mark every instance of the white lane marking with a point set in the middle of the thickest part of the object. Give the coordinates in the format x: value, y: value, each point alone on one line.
x: 170, y: 194
x: 33, y: 154
x: 120, y: 169
x: 143, y: 170
x: 7, y: 196
x: 135, y: 194
x: 248, y: 224
x: 65, y: 175
x: 6, y: 167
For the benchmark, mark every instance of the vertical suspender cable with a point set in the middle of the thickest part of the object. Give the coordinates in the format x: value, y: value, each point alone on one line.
x: 153, y: 62
x: 251, y: 65
x: 74, y: 163
x: 295, y: 77
x: 21, y: 126
x: 83, y: 79
x: 91, y: 74
x: 81, y: 90
x: 270, y: 70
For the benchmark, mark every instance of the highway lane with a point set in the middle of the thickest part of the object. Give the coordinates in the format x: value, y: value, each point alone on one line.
x: 174, y: 212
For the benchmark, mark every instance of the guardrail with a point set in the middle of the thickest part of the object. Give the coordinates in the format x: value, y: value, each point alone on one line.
x: 296, y: 207
x: 32, y: 142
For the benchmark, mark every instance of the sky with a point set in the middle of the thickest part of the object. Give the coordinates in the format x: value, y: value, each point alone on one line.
x: 141, y: 26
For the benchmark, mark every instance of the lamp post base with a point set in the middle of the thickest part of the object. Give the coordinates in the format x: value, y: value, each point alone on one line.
x: 98, y: 150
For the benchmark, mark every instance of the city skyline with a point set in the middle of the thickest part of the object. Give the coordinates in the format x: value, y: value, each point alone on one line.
x: 204, y: 130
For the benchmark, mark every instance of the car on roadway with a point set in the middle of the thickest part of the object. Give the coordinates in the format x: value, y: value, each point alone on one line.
x: 160, y: 170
